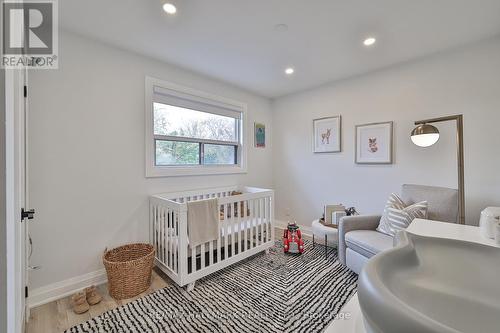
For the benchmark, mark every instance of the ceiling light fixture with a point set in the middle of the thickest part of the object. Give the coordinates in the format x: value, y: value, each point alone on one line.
x: 282, y: 27
x: 169, y: 8
x: 289, y: 71
x: 369, y: 41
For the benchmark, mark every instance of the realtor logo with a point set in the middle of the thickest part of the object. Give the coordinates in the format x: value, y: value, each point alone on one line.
x: 29, y: 38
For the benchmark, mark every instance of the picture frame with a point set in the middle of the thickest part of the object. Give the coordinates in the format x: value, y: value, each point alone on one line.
x: 327, y: 135
x: 329, y: 210
x: 374, y: 143
x: 337, y: 216
x: 259, y: 135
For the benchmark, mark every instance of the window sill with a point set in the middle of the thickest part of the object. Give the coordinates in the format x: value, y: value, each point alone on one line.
x: 173, y: 171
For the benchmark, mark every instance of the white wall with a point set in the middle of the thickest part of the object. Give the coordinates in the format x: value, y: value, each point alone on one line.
x: 464, y: 81
x: 87, y: 154
x: 3, y: 215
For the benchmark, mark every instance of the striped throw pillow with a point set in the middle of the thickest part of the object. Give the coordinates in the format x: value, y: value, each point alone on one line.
x: 400, y: 219
x: 394, y: 201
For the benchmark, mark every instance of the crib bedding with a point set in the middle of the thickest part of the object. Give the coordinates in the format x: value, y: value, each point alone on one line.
x: 259, y: 225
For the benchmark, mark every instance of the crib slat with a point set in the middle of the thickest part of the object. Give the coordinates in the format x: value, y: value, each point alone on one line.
x: 211, y: 254
x: 159, y: 239
x: 246, y: 219
x: 260, y: 222
x: 237, y: 238
x: 193, y: 258
x: 155, y: 229
x: 234, y: 237
x: 221, y: 227
x: 151, y: 224
x: 169, y: 233
x: 175, y: 233
x: 251, y: 207
x: 164, y: 233
x: 229, y: 230
x: 263, y: 221
x: 158, y: 224
x: 255, y: 221
x: 160, y: 233
x: 174, y: 239
x: 202, y: 254
x: 267, y: 220
x: 219, y: 245
x: 234, y: 232
x: 166, y: 242
x: 226, y: 218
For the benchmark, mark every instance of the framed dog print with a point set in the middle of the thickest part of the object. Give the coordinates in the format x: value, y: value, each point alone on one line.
x: 374, y: 143
x: 326, y: 135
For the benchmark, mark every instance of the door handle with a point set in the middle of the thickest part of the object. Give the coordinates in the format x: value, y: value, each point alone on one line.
x: 27, y: 214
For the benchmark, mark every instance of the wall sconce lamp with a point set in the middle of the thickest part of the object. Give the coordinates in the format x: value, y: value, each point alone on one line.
x: 425, y: 135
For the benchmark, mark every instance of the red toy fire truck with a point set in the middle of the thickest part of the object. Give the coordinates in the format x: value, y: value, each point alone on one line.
x: 292, y: 239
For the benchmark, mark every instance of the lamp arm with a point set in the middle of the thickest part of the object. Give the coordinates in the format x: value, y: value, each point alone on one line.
x: 438, y: 120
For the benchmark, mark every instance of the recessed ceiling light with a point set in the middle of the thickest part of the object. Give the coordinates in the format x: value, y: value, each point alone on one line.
x: 169, y: 8
x: 289, y: 71
x: 369, y: 41
x: 281, y: 27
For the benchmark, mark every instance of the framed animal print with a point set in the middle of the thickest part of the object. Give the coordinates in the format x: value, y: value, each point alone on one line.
x: 326, y: 135
x: 374, y: 143
x: 260, y: 135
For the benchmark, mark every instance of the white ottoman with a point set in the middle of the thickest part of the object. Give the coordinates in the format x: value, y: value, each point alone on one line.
x: 325, y: 234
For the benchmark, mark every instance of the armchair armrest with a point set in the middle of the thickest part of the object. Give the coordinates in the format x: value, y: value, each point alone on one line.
x: 350, y: 223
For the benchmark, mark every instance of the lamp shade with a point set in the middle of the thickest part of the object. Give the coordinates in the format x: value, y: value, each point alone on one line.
x: 424, y: 135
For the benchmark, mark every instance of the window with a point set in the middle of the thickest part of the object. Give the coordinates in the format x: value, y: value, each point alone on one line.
x: 187, y: 137
x: 190, y: 132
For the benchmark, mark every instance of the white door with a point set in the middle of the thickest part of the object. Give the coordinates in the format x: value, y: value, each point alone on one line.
x: 16, y: 190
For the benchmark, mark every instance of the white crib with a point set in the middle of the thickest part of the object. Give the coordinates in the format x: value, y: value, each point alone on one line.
x: 246, y: 228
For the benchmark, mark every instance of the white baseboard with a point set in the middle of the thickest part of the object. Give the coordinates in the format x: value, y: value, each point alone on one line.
x: 61, y: 289
x: 306, y: 230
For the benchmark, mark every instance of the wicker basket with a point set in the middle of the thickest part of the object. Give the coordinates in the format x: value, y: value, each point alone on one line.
x: 129, y: 269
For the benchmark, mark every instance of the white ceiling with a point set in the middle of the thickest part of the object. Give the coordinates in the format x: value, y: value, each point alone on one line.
x: 235, y: 40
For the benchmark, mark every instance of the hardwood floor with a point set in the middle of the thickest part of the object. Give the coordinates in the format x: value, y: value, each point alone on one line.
x: 58, y: 316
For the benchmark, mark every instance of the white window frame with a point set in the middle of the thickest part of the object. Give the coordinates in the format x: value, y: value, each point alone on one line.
x: 153, y: 170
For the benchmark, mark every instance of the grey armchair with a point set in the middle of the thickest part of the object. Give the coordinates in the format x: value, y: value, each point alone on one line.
x: 359, y: 240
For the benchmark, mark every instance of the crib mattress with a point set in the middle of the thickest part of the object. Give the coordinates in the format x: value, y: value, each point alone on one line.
x: 245, y: 225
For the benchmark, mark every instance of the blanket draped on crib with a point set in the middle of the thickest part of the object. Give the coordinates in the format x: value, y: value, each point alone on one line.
x: 203, y: 221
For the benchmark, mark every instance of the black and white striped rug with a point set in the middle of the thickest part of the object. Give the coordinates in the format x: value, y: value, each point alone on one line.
x: 276, y: 292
